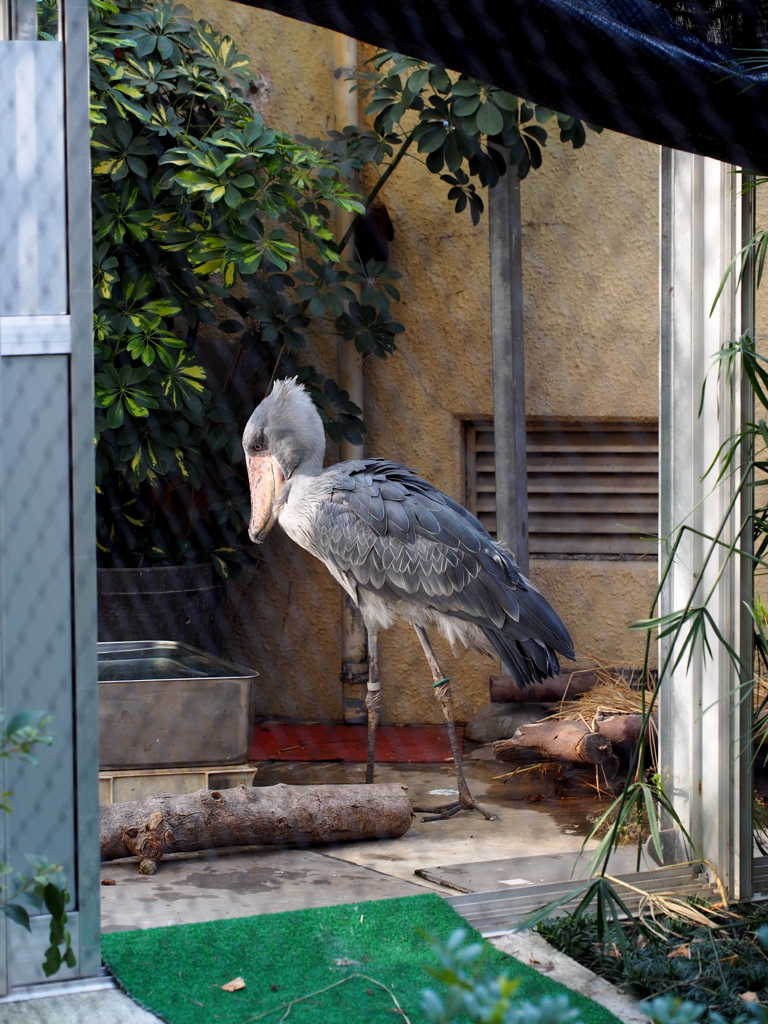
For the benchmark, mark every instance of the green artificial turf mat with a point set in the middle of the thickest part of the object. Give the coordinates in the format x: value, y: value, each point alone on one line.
x: 177, y: 972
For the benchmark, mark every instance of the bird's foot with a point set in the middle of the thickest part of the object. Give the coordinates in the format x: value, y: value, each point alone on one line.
x: 464, y: 803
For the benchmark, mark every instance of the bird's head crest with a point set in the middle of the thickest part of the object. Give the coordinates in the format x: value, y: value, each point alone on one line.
x: 288, y: 425
x: 288, y: 388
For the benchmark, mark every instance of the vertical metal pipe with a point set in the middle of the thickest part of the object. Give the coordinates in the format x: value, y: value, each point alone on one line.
x: 23, y: 19
x: 509, y: 367
x: 74, y: 21
x: 743, y: 882
x: 5, y: 974
x: 5, y: 34
x: 345, y: 110
x: 354, y: 649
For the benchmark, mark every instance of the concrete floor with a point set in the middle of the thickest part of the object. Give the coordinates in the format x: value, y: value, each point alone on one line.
x: 465, y: 853
x: 201, y: 887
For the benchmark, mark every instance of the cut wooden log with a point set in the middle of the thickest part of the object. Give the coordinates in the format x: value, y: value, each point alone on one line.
x: 608, y: 769
x: 554, y: 741
x: 624, y: 732
x: 567, y: 686
x: 263, y: 816
x: 603, y: 774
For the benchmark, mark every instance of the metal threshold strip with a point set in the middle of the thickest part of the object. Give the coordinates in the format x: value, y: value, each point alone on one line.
x: 44, y: 990
x: 501, y: 910
x: 760, y: 878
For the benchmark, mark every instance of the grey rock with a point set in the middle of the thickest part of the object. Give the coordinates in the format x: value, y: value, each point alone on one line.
x: 500, y: 721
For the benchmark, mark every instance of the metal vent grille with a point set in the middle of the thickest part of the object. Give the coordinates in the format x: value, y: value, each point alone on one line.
x: 593, y: 486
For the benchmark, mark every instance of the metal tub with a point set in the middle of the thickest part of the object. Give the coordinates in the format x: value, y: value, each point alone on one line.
x: 164, y: 704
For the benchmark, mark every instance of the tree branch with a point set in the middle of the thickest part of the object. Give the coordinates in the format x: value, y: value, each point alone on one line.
x: 375, y: 191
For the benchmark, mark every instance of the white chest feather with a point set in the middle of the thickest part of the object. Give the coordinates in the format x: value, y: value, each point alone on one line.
x: 300, y: 516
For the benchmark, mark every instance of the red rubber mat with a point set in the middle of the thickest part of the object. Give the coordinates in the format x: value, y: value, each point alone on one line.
x: 414, y: 743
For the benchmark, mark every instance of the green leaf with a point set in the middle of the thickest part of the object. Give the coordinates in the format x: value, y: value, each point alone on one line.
x: 55, y: 899
x: 466, y: 87
x: 52, y: 961
x: 17, y: 914
x: 162, y: 307
x: 466, y: 105
x: 418, y: 80
x: 22, y: 720
x: 432, y: 140
x: 489, y: 119
x: 115, y: 415
x: 505, y: 100
x: 438, y: 79
x: 537, y: 132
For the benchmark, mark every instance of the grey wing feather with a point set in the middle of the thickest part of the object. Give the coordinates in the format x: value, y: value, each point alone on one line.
x: 390, y: 532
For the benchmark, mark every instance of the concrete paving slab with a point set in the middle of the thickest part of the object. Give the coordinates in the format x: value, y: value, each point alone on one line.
x: 489, y: 875
x: 527, y: 823
x: 220, y: 885
x: 263, y: 881
x: 530, y: 948
x: 100, y: 1006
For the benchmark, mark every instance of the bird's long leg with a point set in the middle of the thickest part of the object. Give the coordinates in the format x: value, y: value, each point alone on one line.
x: 372, y: 702
x: 442, y: 687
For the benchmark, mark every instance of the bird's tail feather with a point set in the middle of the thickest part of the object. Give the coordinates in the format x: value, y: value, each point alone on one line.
x: 528, y: 661
x: 539, y: 619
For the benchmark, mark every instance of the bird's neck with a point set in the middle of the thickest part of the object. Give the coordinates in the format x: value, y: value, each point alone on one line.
x: 311, y: 464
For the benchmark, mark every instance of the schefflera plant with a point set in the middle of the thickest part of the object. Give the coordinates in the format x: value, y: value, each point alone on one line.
x: 196, y: 199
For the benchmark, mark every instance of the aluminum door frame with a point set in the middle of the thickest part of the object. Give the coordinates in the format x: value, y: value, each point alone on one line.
x: 705, y: 701
x: 46, y: 342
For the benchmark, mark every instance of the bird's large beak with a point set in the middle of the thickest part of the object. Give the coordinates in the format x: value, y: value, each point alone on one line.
x: 266, y: 480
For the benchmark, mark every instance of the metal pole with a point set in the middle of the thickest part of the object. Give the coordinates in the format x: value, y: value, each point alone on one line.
x: 23, y: 19
x: 509, y: 367
x: 742, y: 867
x: 82, y: 476
x: 354, y: 647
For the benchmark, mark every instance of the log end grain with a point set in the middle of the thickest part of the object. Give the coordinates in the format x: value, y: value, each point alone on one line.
x: 554, y: 741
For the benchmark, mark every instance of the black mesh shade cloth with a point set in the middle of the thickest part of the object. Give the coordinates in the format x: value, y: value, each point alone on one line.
x: 664, y: 72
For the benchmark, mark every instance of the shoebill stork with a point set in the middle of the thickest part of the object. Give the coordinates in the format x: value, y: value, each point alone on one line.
x: 401, y: 549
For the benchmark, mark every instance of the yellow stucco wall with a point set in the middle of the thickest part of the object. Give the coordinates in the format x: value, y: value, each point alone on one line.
x: 590, y: 242
x: 590, y: 250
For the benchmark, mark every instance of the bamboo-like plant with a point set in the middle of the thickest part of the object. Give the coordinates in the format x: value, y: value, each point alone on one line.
x: 643, y: 800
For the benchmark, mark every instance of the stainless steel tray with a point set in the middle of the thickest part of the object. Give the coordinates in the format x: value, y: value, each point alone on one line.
x: 164, y: 704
